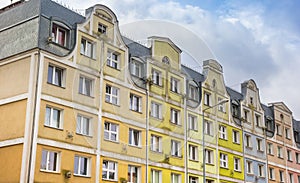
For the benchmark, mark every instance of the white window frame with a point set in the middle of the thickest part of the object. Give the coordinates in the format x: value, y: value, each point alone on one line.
x: 223, y: 160
x: 248, y: 141
x: 87, y: 48
x: 102, y: 28
x: 156, y: 110
x: 287, y: 133
x: 297, y: 157
x: 246, y: 116
x: 112, y: 94
x: 193, y: 152
x: 175, y: 148
x: 193, y: 122
x: 279, y: 152
x: 207, y: 99
x: 136, y: 68
x: 81, y: 128
x: 113, y: 59
x: 156, y: 143
x: 174, y: 176
x: 153, y: 174
x: 47, y: 163
x: 193, y: 179
x: 289, y: 155
x: 257, y: 120
x: 270, y: 148
x: 156, y: 77
x: 261, y: 169
x: 281, y: 176
x: 237, y: 164
x: 110, y: 132
x: 221, y: 107
x: 193, y: 92
x: 83, y: 86
x: 54, y: 77
x: 79, y: 166
x: 175, y: 116
x: 131, y: 171
x: 278, y: 129
x: 208, y: 128
x: 291, y: 177
x: 236, y: 136
x: 222, y: 132
x: 51, y: 122
x: 249, y: 167
x: 134, y: 137
x: 175, y: 85
x: 111, y: 168
x: 271, y: 174
x: 55, y: 35
x: 135, y: 103
x: 209, y: 156
x: 260, y: 146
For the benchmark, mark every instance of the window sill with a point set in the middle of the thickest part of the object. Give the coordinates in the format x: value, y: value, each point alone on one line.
x: 260, y: 151
x: 110, y: 180
x: 194, y: 160
x: 248, y: 147
x: 61, y: 129
x: 280, y: 157
x: 117, y: 69
x: 211, y: 164
x: 108, y: 140
x: 223, y: 139
x: 157, y: 152
x: 85, y: 176
x: 177, y: 157
x: 250, y: 174
x: 82, y: 54
x: 174, y: 92
x: 156, y: 118
x: 239, y: 171
x: 80, y: 134
x: 140, y: 112
x: 112, y: 103
x: 61, y: 46
x: 52, y: 84
x: 135, y: 146
x: 224, y: 168
x: 158, y: 85
x: 49, y: 171
x: 174, y: 124
x: 237, y: 143
x: 289, y: 160
x: 87, y: 95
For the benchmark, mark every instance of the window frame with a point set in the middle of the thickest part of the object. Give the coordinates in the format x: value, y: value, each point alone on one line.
x: 102, y: 29
x: 89, y: 126
x: 259, y: 143
x: 56, y: 164
x: 173, y: 175
x: 53, y: 80
x: 193, y: 122
x: 156, y: 110
x: 193, y: 152
x: 208, y: 128
x: 193, y: 179
x: 271, y: 173
x: 235, y: 136
x: 174, y: 85
x: 113, y: 59
x: 207, y: 99
x: 209, y: 156
x: 279, y: 152
x: 131, y: 137
x: 110, y: 132
x: 270, y: 148
x: 222, y: 132
x: 135, y: 102
x: 249, y: 167
x: 58, y: 28
x: 248, y: 140
x: 223, y: 160
x: 60, y: 120
x: 237, y: 164
x: 289, y: 155
x: 157, y: 77
x: 88, y: 166
x: 193, y: 92
x: 287, y: 133
x: 176, y: 148
x: 153, y: 174
x: 261, y: 172
x: 111, y: 97
x: 130, y: 173
x: 87, y: 48
x: 156, y: 146
x: 136, y: 66
x: 175, y: 116
x: 83, y: 86
x: 109, y: 170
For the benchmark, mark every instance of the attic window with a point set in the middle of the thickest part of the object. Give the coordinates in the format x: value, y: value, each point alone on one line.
x: 59, y: 34
x: 281, y: 117
x: 166, y: 60
x: 102, y: 28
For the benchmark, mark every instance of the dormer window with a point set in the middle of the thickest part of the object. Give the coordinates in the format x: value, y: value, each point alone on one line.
x: 102, y: 28
x: 136, y: 68
x: 251, y: 100
x: 193, y: 92
x: 166, y: 60
x: 59, y: 35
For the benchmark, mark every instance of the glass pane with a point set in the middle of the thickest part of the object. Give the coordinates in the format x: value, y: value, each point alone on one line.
x: 76, y: 163
x: 56, y: 118
x: 47, y: 117
x: 78, y: 126
x: 50, y: 74
x: 83, y: 166
x: 82, y: 46
x: 88, y: 87
x: 80, y: 85
x: 114, y: 137
x: 44, y: 160
x: 58, y: 76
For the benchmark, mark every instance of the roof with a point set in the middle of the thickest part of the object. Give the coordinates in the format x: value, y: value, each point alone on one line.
x: 234, y: 95
x: 136, y: 49
x: 196, y: 76
x: 268, y: 110
x: 296, y: 125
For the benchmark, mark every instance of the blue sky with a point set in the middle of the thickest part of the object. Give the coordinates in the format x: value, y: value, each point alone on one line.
x: 254, y: 39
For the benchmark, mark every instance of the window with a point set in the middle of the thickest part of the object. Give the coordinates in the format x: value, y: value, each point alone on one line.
x: 246, y: 115
x: 174, y: 85
x: 271, y: 174
x: 112, y: 60
x: 235, y: 136
x: 261, y: 171
x: 221, y: 107
x: 193, y: 92
x: 289, y: 155
x: 193, y: 153
x: 208, y: 128
x: 209, y: 181
x: 59, y: 35
x: 297, y: 157
x: 85, y: 86
x: 248, y: 141
x: 81, y: 166
x: 111, y: 131
x: 156, y: 77
x: 156, y: 176
x: 134, y: 137
x: 287, y: 133
x: 235, y: 110
x: 135, y: 103
x: 193, y: 179
x: 109, y: 170
x: 259, y: 144
x: 175, y: 178
x: 279, y: 152
x: 156, y: 110
x: 83, y: 125
x: 175, y: 148
x: 237, y: 164
x: 291, y: 178
x: 87, y: 48
x: 207, y: 99
x: 133, y: 174
x: 249, y: 167
x: 257, y: 120
x: 222, y: 132
x: 136, y: 68
x: 156, y: 143
x: 251, y: 100
x: 112, y: 95
x: 281, y: 176
x: 209, y: 156
x: 192, y: 122
x: 223, y: 160
x: 102, y: 28
x: 50, y: 161
x: 53, y: 117
x: 278, y: 129
x: 270, y: 148
x: 175, y: 116
x: 56, y: 76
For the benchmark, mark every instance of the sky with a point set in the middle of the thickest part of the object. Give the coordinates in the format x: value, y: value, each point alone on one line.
x: 255, y: 39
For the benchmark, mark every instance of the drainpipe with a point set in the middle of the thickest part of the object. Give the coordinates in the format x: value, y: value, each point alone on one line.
x: 185, y: 137
x: 147, y: 123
